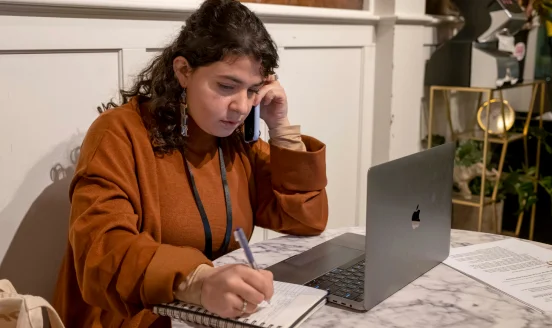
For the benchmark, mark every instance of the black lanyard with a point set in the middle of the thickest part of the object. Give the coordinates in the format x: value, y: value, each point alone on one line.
x: 206, y: 227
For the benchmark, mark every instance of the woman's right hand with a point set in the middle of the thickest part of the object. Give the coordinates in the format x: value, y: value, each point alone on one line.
x: 226, y: 288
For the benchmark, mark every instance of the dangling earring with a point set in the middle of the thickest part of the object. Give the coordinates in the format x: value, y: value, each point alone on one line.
x: 183, y: 108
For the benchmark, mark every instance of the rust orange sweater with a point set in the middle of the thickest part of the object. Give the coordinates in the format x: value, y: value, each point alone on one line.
x: 135, y: 231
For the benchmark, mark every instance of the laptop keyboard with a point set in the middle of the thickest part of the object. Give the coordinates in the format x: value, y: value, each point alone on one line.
x: 343, y: 282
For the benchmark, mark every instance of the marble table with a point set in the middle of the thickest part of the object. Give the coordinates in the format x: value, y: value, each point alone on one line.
x: 442, y: 297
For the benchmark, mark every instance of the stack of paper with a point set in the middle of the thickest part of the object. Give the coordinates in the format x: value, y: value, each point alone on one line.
x: 515, y: 267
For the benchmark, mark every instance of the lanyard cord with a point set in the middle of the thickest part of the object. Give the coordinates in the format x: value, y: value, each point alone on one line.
x: 206, y: 227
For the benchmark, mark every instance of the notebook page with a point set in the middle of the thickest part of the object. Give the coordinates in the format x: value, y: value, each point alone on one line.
x: 289, y: 303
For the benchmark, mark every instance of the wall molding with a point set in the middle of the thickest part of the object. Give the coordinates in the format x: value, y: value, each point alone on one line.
x: 408, y: 19
x: 178, y: 9
x: 102, y: 34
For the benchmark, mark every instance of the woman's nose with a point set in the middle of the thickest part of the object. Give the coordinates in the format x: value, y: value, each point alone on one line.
x: 241, y: 104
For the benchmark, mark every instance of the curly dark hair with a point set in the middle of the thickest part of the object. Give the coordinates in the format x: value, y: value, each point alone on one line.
x: 219, y: 28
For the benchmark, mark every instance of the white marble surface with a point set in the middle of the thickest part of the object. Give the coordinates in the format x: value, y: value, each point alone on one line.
x: 442, y: 297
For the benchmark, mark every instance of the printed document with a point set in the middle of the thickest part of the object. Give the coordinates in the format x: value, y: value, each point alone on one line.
x: 517, y: 268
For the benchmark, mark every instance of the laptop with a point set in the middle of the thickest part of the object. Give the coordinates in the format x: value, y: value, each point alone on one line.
x: 408, y: 226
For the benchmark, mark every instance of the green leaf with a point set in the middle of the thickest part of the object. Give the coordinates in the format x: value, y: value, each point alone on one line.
x: 547, y: 147
x: 530, y: 201
x: 546, y: 184
x: 531, y: 172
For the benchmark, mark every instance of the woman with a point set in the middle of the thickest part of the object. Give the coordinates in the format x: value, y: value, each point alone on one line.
x: 164, y: 179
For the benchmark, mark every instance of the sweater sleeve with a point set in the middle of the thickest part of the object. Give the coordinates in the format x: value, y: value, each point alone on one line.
x: 290, y: 187
x: 119, y: 268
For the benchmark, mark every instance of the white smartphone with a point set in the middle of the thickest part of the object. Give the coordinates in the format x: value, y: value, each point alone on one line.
x: 252, y: 129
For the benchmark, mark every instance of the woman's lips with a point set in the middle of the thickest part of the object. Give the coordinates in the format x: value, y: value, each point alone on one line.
x: 230, y: 123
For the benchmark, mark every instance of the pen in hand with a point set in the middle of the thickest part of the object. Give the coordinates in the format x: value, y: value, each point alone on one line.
x: 242, y: 240
x: 239, y: 235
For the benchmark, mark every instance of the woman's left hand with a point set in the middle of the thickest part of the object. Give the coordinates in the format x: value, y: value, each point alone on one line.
x: 273, y: 100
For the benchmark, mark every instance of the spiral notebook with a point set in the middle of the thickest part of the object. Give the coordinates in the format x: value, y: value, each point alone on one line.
x: 290, y: 305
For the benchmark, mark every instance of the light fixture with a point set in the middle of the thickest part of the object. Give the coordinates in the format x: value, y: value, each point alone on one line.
x: 497, y: 123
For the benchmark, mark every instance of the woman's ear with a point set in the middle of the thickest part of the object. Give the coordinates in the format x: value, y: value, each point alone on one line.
x: 182, y: 70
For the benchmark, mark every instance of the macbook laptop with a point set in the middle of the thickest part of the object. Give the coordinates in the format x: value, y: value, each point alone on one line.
x: 408, y: 225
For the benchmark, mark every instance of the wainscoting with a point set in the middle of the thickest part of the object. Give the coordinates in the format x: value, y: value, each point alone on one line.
x: 58, y: 63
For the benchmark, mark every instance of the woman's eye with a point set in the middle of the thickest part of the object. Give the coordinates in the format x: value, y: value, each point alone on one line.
x: 225, y: 87
x: 253, y: 91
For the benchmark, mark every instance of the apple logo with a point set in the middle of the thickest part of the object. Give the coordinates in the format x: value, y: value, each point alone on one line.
x: 416, y: 218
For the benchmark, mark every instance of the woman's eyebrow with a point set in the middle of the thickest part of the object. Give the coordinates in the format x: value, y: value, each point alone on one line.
x: 238, y: 81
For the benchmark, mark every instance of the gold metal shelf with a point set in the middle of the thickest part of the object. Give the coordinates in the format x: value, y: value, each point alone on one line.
x: 487, y: 138
x: 498, y: 139
x: 474, y: 200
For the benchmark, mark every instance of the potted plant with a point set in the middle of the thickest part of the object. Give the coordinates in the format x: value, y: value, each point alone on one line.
x: 513, y: 183
x: 468, y: 169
